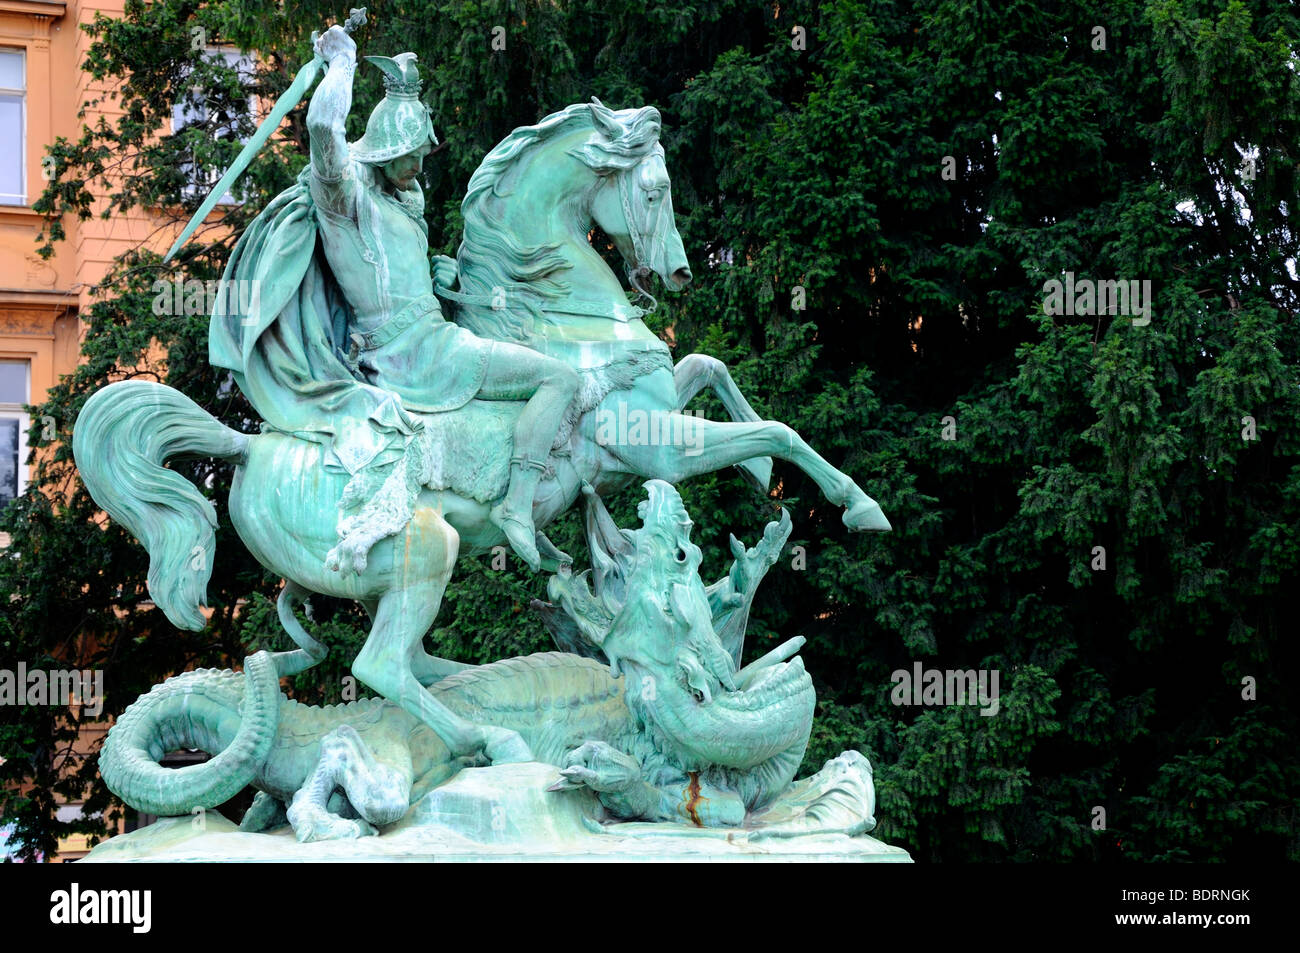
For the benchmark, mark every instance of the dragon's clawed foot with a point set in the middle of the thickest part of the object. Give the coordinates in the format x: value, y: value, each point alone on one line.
x: 598, y: 766
x: 265, y: 813
x: 503, y: 746
x: 312, y: 823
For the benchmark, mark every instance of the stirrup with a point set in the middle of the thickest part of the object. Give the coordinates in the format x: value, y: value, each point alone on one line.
x: 527, y: 463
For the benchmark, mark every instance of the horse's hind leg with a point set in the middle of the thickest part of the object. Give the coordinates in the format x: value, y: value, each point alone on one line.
x: 695, y: 372
x: 429, y: 669
x: 424, y: 556
x: 386, y: 664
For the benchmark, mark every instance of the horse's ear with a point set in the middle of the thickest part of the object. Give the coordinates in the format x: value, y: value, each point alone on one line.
x: 602, y: 118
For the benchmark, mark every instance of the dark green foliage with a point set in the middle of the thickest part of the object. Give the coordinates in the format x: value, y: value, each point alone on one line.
x: 1168, y: 152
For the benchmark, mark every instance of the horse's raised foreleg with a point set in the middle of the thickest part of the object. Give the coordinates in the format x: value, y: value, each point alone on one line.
x: 685, y: 446
x: 424, y: 557
x: 695, y: 372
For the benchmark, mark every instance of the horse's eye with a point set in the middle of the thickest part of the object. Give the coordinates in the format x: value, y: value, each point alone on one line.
x: 681, y: 555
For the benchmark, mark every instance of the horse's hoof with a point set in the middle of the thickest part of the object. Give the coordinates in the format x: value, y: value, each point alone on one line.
x: 264, y: 814
x: 866, y: 516
x: 337, y: 828
x: 520, y: 534
x: 553, y: 559
x: 757, y: 473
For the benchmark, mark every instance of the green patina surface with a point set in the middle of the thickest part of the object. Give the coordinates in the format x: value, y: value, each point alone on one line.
x: 396, y: 439
x: 657, y: 720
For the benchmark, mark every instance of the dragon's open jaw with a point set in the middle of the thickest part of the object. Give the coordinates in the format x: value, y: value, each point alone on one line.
x: 644, y: 609
x: 733, y: 729
x: 758, y: 669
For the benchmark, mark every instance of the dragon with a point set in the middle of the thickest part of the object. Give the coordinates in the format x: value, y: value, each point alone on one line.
x: 647, y: 705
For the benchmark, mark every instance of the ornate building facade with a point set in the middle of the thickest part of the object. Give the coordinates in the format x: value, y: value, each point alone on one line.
x: 42, y: 91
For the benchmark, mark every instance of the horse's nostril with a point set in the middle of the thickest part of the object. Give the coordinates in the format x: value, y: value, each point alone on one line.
x: 682, y: 276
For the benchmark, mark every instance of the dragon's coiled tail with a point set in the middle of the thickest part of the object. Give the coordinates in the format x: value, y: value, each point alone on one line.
x: 188, y: 711
x: 124, y: 435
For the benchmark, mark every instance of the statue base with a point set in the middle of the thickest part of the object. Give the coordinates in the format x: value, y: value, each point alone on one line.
x: 499, y: 814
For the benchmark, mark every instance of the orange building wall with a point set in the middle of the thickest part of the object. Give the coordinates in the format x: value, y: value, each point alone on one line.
x: 40, y: 301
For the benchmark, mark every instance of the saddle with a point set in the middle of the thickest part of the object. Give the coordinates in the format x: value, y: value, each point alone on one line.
x: 466, y: 451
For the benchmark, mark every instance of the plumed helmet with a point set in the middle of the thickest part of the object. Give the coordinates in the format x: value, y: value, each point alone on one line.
x: 400, y: 123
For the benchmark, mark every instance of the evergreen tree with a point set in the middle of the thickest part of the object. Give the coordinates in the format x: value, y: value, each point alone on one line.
x: 875, y: 197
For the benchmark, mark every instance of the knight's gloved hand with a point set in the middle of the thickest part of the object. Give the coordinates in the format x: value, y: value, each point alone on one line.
x: 334, y: 43
x: 444, y: 271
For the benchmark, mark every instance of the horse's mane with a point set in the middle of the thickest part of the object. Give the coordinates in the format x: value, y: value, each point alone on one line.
x: 531, y: 274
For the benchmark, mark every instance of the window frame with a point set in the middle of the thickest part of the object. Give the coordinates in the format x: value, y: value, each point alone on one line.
x: 8, y: 199
x: 193, y: 109
x: 15, y: 411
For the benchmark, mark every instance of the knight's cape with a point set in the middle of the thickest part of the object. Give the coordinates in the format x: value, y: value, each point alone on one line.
x: 280, y: 328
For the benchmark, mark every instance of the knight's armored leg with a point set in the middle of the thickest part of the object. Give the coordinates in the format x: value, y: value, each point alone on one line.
x: 514, y: 373
x: 513, y: 515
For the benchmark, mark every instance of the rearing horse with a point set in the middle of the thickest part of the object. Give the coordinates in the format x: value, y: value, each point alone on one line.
x: 528, y: 273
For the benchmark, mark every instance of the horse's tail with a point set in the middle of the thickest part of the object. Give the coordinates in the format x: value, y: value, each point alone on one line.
x: 124, y: 435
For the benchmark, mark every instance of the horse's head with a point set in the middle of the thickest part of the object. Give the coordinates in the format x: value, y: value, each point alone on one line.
x: 632, y: 202
x: 529, y: 211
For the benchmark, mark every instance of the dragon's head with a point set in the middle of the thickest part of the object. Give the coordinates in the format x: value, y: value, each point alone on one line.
x: 644, y: 609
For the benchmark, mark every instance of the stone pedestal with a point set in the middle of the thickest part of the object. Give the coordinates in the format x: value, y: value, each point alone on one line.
x: 501, y: 813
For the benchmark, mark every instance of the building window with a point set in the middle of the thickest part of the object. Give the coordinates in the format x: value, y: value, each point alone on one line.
x: 13, y: 127
x: 15, y: 391
x: 193, y: 110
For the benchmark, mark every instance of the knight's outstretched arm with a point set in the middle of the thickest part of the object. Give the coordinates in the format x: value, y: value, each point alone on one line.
x: 330, y: 104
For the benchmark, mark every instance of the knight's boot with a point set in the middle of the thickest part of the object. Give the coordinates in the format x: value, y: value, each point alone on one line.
x: 514, y: 515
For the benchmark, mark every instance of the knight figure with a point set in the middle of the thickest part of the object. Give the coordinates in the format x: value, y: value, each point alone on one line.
x: 348, y: 322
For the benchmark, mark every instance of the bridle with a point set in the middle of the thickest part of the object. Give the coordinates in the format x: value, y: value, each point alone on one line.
x: 640, y: 240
